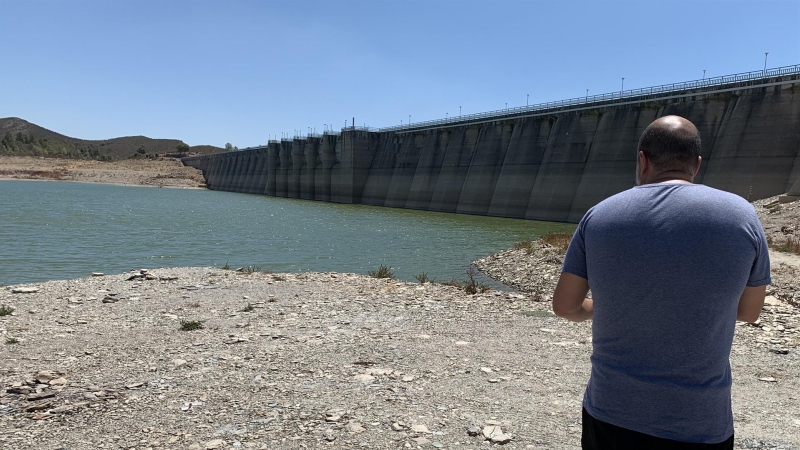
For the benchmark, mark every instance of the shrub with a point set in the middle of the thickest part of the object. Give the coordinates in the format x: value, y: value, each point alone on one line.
x: 226, y: 266
x: 382, y: 272
x: 11, y: 340
x: 560, y: 241
x: 473, y: 287
x: 424, y: 278
x: 526, y: 245
x: 6, y: 310
x: 191, y: 325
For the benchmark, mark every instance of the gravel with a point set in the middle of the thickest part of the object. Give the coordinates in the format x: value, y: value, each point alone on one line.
x: 315, y: 360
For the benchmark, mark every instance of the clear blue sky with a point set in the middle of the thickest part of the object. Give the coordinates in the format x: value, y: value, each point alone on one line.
x: 211, y: 72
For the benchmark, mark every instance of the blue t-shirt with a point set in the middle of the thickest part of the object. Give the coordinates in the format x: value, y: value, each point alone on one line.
x: 667, y: 264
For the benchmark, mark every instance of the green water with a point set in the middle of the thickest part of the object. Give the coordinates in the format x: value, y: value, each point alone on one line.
x: 57, y: 230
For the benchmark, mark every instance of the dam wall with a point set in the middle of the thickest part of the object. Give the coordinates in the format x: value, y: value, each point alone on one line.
x: 551, y: 165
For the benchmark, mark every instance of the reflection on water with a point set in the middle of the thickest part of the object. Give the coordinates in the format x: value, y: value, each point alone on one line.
x: 58, y: 230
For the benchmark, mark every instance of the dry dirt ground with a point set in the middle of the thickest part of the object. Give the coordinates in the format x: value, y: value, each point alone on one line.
x: 162, y: 172
x: 317, y: 360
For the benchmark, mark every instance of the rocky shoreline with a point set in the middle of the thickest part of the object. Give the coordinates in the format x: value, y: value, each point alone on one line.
x: 316, y: 360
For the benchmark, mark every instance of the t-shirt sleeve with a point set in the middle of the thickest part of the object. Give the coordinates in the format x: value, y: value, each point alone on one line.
x: 575, y: 260
x: 759, y: 273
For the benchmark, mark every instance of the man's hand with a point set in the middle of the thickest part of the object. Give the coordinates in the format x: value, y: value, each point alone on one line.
x: 569, y: 299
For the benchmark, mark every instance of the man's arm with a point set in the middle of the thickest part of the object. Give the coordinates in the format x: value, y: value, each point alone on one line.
x: 750, y: 303
x: 569, y: 299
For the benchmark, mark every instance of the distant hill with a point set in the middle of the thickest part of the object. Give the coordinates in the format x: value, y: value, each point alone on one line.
x: 19, y: 137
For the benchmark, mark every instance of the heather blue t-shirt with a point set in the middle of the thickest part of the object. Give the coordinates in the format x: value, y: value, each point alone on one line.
x: 667, y: 264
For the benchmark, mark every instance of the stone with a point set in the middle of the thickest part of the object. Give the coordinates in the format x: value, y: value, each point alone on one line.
x: 355, y: 427
x: 364, y: 378
x: 214, y: 444
x: 408, y: 378
x: 462, y: 343
x: 24, y: 290
x: 40, y: 396
x: 437, y: 444
x: 494, y: 434
x: 98, y: 274
x: 420, y: 429
x: 421, y: 440
x: 771, y: 300
x: 60, y: 380
x: 768, y: 379
x: 333, y: 418
x: 474, y: 430
x: 486, y: 370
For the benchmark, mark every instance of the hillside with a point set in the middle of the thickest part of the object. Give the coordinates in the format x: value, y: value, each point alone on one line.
x: 19, y: 137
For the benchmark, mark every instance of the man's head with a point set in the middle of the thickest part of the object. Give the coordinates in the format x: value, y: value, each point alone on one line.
x: 669, y: 149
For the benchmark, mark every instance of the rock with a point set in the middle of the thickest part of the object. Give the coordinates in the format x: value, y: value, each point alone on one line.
x: 178, y: 363
x: 39, y: 406
x: 421, y: 440
x: 437, y: 444
x: 111, y: 298
x: 40, y: 396
x: 768, y: 379
x: 474, y: 430
x: 134, y: 385
x: 771, y: 300
x: 495, y: 434
x: 462, y: 343
x: 355, y: 427
x: 98, y: 274
x: 486, y: 370
x: 493, y: 380
x: 408, y: 378
x: 419, y: 429
x: 60, y: 380
x: 396, y: 426
x: 333, y: 418
x: 364, y: 378
x: 214, y: 444
x: 24, y: 290
x: 168, y: 278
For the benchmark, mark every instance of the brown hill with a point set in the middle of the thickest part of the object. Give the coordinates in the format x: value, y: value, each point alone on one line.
x: 22, y: 138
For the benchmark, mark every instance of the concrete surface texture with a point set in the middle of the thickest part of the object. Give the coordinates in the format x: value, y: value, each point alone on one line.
x: 548, y: 166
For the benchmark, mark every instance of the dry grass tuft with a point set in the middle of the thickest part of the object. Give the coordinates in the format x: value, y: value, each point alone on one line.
x: 559, y: 241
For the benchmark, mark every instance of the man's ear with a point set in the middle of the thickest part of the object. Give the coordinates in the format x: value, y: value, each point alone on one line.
x: 697, y: 168
x: 644, y: 164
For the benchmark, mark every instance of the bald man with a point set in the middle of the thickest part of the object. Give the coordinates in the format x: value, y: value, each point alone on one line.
x: 671, y: 265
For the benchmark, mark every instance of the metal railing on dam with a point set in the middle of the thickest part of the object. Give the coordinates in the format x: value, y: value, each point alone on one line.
x: 642, y: 94
x: 553, y: 163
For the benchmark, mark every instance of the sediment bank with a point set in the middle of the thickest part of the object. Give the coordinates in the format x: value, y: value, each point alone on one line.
x: 161, y: 172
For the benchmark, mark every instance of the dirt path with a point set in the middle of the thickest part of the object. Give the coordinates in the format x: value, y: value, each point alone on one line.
x: 162, y: 172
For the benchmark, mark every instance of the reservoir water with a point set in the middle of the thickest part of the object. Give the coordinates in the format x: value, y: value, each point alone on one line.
x: 60, y: 230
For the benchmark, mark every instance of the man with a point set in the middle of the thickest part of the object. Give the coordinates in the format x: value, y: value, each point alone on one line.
x: 671, y: 265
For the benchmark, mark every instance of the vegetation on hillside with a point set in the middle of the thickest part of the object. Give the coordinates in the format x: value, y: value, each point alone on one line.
x: 28, y: 145
x: 21, y: 138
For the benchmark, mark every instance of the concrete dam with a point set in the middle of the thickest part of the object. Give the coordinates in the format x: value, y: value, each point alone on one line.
x: 546, y: 162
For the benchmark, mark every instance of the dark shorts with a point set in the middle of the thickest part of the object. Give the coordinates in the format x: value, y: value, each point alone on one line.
x: 598, y: 435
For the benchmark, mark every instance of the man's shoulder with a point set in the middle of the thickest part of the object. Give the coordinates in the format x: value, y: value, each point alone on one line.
x: 697, y: 195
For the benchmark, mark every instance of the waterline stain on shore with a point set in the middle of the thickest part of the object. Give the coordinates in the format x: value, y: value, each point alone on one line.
x: 67, y: 230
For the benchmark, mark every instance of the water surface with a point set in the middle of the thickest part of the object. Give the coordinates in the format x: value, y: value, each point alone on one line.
x: 60, y: 230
